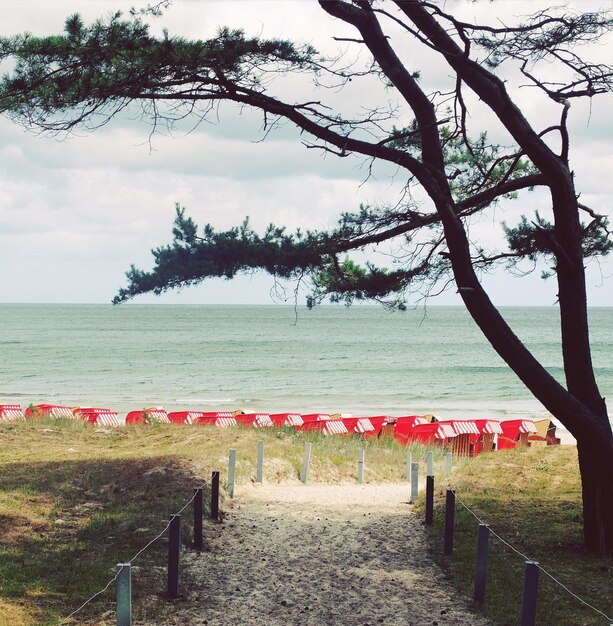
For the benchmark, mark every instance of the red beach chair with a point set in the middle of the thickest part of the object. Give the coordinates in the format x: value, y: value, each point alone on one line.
x: 402, y: 427
x: 359, y: 426
x: 49, y: 410
x: 326, y: 427
x: 315, y: 417
x: 11, y: 412
x: 432, y: 433
x: 515, y: 433
x: 489, y: 430
x: 378, y: 422
x: 148, y: 416
x: 222, y: 419
x: 255, y: 420
x: 466, y: 432
x: 286, y: 419
x: 96, y: 416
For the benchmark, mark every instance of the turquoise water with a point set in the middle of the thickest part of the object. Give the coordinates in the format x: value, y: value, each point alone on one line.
x: 363, y: 360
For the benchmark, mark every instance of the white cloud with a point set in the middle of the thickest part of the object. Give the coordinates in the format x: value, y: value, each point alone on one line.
x: 74, y: 214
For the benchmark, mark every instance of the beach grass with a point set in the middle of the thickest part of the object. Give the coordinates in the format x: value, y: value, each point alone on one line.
x: 75, y: 500
x: 531, y: 498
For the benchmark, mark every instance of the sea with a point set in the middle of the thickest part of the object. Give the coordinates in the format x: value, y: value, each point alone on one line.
x: 362, y: 360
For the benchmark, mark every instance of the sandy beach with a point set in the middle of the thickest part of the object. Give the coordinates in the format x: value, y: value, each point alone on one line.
x: 318, y: 555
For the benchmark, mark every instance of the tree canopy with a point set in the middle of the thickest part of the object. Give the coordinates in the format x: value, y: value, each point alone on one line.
x: 99, y: 70
x: 453, y: 171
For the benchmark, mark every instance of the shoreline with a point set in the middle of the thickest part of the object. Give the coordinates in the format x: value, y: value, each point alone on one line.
x: 123, y: 407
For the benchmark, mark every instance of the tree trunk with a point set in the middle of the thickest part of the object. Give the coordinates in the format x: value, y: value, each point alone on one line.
x: 584, y: 414
x: 595, y: 462
x: 580, y: 408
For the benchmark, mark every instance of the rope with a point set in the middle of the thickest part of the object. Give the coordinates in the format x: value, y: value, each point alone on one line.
x: 149, y: 544
x: 64, y: 621
x: 526, y: 558
x: 158, y: 536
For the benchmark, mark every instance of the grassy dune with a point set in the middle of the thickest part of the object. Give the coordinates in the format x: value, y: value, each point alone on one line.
x: 532, y: 499
x: 76, y: 500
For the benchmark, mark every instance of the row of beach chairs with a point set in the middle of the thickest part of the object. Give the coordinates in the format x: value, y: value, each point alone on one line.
x: 468, y: 437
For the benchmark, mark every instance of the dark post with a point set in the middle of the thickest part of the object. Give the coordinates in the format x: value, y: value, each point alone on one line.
x: 174, y: 544
x: 215, y: 496
x: 449, y: 521
x: 531, y: 586
x: 483, y: 535
x: 198, y: 539
x: 429, y: 499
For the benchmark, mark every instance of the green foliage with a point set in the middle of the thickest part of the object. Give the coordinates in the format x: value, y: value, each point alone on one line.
x: 347, y: 281
x: 473, y: 165
x: 191, y: 258
x: 533, y: 239
x: 100, y: 69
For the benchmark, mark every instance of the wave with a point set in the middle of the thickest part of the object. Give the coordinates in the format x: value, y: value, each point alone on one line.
x: 207, y: 400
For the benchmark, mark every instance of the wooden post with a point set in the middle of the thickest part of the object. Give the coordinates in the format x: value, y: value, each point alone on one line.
x: 448, y: 462
x: 231, y: 472
x: 124, y: 594
x: 174, y: 545
x: 361, y: 459
x: 409, y: 462
x: 198, y: 539
x: 449, y: 521
x: 483, y: 534
x: 260, y: 471
x: 304, y: 475
x: 430, y: 464
x: 531, y: 586
x: 414, y: 482
x: 429, y: 500
x: 215, y: 496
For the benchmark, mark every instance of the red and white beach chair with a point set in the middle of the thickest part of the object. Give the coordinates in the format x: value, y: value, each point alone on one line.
x: 11, y: 412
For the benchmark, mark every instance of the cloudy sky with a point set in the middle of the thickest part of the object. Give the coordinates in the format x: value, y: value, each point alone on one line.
x: 75, y: 212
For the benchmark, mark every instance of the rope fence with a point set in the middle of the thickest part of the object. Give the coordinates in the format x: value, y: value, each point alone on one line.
x: 129, y: 562
x: 540, y: 567
x: 123, y: 578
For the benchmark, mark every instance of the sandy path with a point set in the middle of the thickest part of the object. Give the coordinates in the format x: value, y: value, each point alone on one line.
x: 348, y: 555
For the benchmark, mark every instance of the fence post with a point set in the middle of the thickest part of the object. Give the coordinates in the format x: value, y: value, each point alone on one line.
x: 231, y: 472
x: 304, y: 475
x: 483, y: 534
x: 260, y: 471
x: 215, y: 496
x: 449, y: 521
x: 414, y: 482
x: 361, y: 459
x: 124, y: 594
x: 448, y: 458
x: 198, y: 540
x: 429, y: 499
x: 409, y: 462
x: 174, y: 545
x: 430, y: 464
x: 531, y: 585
